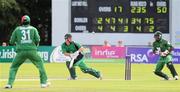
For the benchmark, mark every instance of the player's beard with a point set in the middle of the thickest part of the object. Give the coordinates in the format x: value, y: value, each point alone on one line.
x: 157, y: 38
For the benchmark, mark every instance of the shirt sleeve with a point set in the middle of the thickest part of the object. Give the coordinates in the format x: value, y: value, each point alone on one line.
x: 63, y: 49
x: 154, y: 48
x: 78, y: 45
x: 169, y: 45
x: 13, y: 37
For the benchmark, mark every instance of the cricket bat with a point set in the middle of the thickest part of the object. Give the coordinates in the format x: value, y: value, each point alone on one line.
x: 71, y: 63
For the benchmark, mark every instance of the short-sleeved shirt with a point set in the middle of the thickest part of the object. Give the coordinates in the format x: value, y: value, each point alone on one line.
x: 161, y: 45
x: 70, y: 48
x: 25, y: 37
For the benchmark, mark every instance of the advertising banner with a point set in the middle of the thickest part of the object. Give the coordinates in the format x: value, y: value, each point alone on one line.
x: 108, y: 52
x: 176, y: 56
x: 9, y: 52
x: 93, y: 54
x: 112, y: 54
x: 58, y: 56
x: 145, y: 55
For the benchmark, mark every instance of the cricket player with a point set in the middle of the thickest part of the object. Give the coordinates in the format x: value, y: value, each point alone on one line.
x: 75, y: 51
x: 163, y: 48
x: 26, y: 39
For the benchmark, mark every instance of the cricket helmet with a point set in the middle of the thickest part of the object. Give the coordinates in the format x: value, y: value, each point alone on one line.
x: 67, y: 36
x: 158, y: 35
x: 25, y: 20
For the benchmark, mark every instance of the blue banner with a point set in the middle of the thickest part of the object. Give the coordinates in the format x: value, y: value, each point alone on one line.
x: 145, y: 55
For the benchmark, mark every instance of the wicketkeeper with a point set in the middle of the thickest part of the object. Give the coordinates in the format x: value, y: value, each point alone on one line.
x: 163, y: 48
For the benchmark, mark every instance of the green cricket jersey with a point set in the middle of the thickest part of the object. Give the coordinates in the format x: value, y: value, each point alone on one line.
x: 25, y: 37
x: 70, y: 48
x: 161, y: 45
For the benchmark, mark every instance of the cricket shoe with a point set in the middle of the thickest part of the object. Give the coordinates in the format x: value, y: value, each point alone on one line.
x: 45, y: 85
x: 176, y: 77
x: 70, y: 78
x: 8, y: 87
x: 100, y: 77
x: 166, y: 79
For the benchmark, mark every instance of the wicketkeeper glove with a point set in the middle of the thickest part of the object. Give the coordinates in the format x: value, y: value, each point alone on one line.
x: 157, y: 52
x: 165, y: 53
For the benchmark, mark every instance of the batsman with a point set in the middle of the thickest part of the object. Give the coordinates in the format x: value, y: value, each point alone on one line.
x: 26, y: 39
x: 163, y: 48
x: 75, y: 51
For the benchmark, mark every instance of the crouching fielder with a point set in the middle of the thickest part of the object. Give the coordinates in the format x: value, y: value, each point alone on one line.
x: 163, y: 48
x: 74, y: 50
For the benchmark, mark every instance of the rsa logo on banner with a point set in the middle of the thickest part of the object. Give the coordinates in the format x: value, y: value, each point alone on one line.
x: 108, y: 52
x: 141, y: 55
x: 145, y: 55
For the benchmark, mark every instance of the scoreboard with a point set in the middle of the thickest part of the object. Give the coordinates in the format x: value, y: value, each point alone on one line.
x: 119, y: 16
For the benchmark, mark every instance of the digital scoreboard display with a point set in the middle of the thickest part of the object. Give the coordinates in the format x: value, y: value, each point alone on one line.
x: 120, y: 16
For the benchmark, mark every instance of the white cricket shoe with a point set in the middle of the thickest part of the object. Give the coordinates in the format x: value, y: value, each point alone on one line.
x: 8, y: 86
x: 100, y: 77
x: 166, y: 79
x: 70, y: 78
x: 176, y: 77
x: 45, y: 85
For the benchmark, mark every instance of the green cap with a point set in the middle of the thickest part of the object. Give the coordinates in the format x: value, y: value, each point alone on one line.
x: 25, y: 20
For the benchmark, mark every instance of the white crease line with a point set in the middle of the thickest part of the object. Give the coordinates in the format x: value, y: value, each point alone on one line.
x: 58, y: 79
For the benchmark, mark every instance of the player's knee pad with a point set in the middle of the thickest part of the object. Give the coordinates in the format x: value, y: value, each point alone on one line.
x: 169, y: 64
x: 171, y: 68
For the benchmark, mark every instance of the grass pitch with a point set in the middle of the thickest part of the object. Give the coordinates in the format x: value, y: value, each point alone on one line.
x: 143, y: 79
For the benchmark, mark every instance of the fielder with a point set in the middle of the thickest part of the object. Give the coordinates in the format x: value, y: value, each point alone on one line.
x: 74, y: 50
x: 163, y: 48
x: 26, y: 39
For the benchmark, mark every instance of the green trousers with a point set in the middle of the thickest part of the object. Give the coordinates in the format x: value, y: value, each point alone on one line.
x: 20, y: 59
x: 84, y: 68
x: 160, y: 64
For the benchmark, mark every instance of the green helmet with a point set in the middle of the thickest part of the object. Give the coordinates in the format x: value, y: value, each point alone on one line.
x: 158, y: 34
x: 25, y: 20
x: 67, y: 36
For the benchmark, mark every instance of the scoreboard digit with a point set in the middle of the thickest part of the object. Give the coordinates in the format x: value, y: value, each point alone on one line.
x: 120, y: 16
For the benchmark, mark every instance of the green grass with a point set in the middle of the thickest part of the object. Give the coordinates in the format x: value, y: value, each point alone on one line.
x: 143, y: 80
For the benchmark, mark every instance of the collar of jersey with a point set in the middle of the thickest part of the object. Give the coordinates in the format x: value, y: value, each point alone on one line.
x: 69, y: 44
